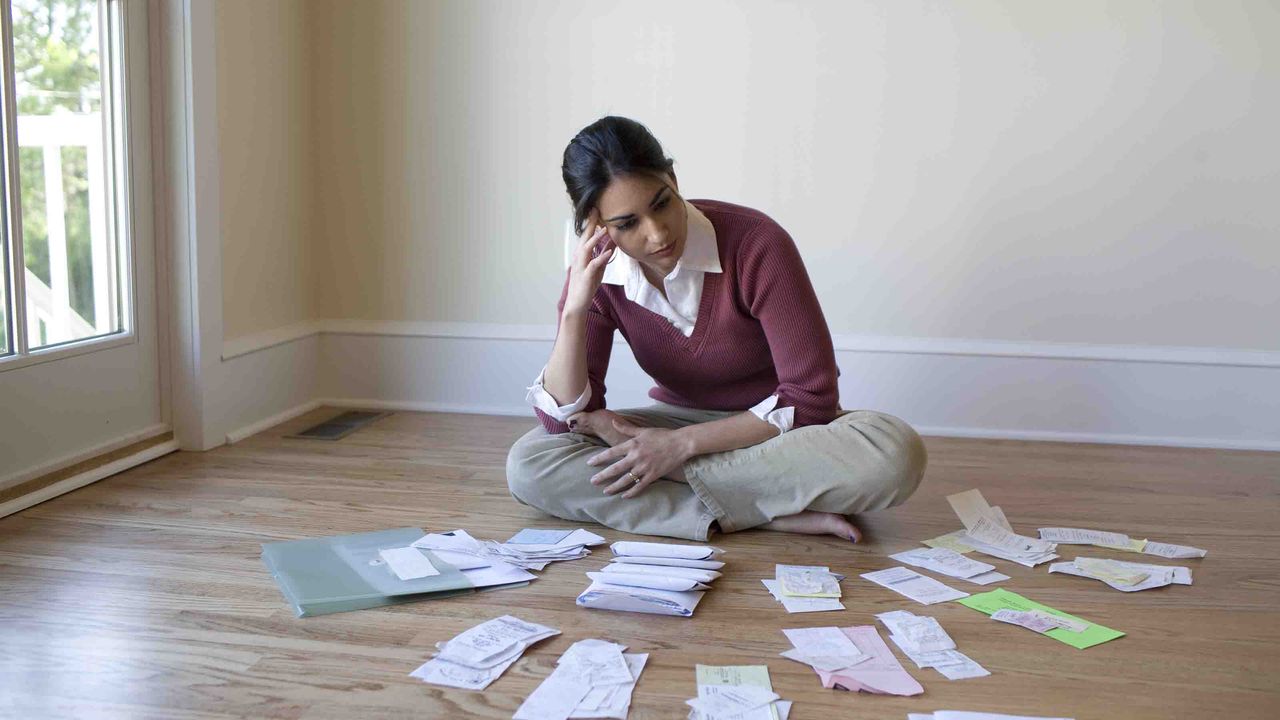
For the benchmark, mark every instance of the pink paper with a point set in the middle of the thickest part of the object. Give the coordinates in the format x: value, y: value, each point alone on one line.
x: 882, y: 674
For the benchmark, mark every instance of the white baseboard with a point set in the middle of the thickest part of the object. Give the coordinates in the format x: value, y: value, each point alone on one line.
x: 239, y: 434
x: 89, y: 476
x: 67, y: 461
x: 1187, y: 397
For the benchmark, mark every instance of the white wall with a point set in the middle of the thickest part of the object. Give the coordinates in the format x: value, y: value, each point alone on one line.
x: 1085, y: 172
x: 1024, y: 219
x: 265, y: 147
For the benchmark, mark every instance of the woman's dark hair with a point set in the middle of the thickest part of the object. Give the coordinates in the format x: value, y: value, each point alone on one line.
x: 601, y: 151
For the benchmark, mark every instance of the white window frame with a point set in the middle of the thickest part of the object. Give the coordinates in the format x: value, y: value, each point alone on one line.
x: 114, y: 38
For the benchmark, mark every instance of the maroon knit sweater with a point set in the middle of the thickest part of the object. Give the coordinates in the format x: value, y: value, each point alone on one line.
x: 760, y: 330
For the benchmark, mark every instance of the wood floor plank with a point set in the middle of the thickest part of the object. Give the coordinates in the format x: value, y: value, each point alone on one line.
x: 144, y: 595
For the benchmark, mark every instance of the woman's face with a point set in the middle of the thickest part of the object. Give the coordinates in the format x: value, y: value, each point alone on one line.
x: 646, y: 218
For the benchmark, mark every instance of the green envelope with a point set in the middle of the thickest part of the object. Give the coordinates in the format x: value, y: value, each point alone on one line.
x: 337, y: 574
x: 1001, y: 599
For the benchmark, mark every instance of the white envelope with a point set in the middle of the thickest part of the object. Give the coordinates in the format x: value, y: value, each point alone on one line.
x: 698, y: 574
x: 653, y: 582
x: 687, y: 552
x: 601, y: 596
x: 673, y: 562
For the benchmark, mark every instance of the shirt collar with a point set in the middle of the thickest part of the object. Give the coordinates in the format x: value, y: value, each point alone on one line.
x: 701, y: 252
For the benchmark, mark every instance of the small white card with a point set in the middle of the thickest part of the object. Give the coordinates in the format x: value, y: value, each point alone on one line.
x: 408, y: 563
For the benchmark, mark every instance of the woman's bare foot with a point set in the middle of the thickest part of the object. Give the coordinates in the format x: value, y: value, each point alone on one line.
x: 811, y: 522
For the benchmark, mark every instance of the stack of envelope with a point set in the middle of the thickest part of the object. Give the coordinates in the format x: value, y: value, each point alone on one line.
x: 657, y: 578
x: 475, y: 658
x: 929, y: 646
x: 1125, y: 576
x: 592, y: 679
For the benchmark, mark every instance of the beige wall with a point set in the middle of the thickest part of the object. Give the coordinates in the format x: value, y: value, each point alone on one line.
x: 264, y: 128
x: 1092, y: 172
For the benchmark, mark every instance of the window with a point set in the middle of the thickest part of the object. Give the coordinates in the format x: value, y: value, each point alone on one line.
x: 66, y: 258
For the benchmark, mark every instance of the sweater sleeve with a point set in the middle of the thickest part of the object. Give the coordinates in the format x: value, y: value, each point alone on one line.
x: 776, y: 289
x: 600, y: 329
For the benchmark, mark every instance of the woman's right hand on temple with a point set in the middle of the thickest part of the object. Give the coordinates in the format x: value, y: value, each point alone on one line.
x: 587, y: 270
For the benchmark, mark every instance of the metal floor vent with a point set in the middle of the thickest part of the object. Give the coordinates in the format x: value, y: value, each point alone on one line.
x: 341, y: 426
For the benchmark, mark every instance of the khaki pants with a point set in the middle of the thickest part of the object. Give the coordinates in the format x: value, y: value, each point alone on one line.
x: 861, y: 461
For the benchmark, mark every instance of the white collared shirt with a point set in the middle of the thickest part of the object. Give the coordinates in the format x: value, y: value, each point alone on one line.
x: 683, y: 287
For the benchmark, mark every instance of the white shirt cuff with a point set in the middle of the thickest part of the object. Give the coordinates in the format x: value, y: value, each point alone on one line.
x: 541, y: 399
x: 782, y: 418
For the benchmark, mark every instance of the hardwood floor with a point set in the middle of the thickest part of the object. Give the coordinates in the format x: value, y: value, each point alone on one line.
x: 143, y: 595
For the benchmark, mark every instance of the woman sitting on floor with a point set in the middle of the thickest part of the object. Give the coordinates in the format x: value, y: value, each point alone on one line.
x: 717, y: 307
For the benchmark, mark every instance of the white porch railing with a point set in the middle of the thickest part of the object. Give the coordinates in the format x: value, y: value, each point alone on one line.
x: 50, y: 304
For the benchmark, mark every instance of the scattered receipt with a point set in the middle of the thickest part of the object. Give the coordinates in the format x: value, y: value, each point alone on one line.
x: 475, y: 658
x: 592, y: 679
x: 924, y: 590
x: 929, y: 646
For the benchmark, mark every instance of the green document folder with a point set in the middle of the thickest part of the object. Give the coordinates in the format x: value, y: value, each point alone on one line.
x: 336, y: 574
x: 1001, y: 599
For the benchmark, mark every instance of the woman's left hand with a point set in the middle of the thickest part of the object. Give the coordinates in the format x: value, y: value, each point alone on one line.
x: 650, y: 455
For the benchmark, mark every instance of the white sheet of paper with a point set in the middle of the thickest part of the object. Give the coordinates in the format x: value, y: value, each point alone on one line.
x: 1173, y: 552
x: 480, y: 645
x: 603, y: 596
x: 806, y: 581
x: 970, y: 506
x: 987, y: 578
x: 828, y: 663
x: 724, y: 701
x: 612, y: 701
x: 1078, y: 536
x: 967, y: 715
x: 555, y: 699
x: 924, y: 590
x: 408, y: 563
x: 921, y: 633
x: 828, y: 644
x: 640, y: 580
x: 1031, y: 621
x: 699, y: 574
x: 668, y: 550
x: 439, y: 671
x: 497, y: 573
x: 801, y: 604
x: 673, y: 562
x: 944, y: 561
x: 963, y: 670
x: 990, y: 532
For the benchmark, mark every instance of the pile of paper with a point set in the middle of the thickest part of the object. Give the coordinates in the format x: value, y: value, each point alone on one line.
x: 964, y: 715
x: 929, y: 646
x: 1039, y: 620
x: 461, y: 551
x: 988, y: 531
x: 592, y: 679
x: 486, y: 562
x: 952, y: 564
x: 657, y: 578
x: 736, y: 692
x: 477, y: 657
x: 1119, y: 541
x: 1125, y: 576
x: 909, y: 583
x: 796, y: 603
x: 805, y: 588
x: 533, y: 549
x: 1074, y: 631
x: 852, y: 658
